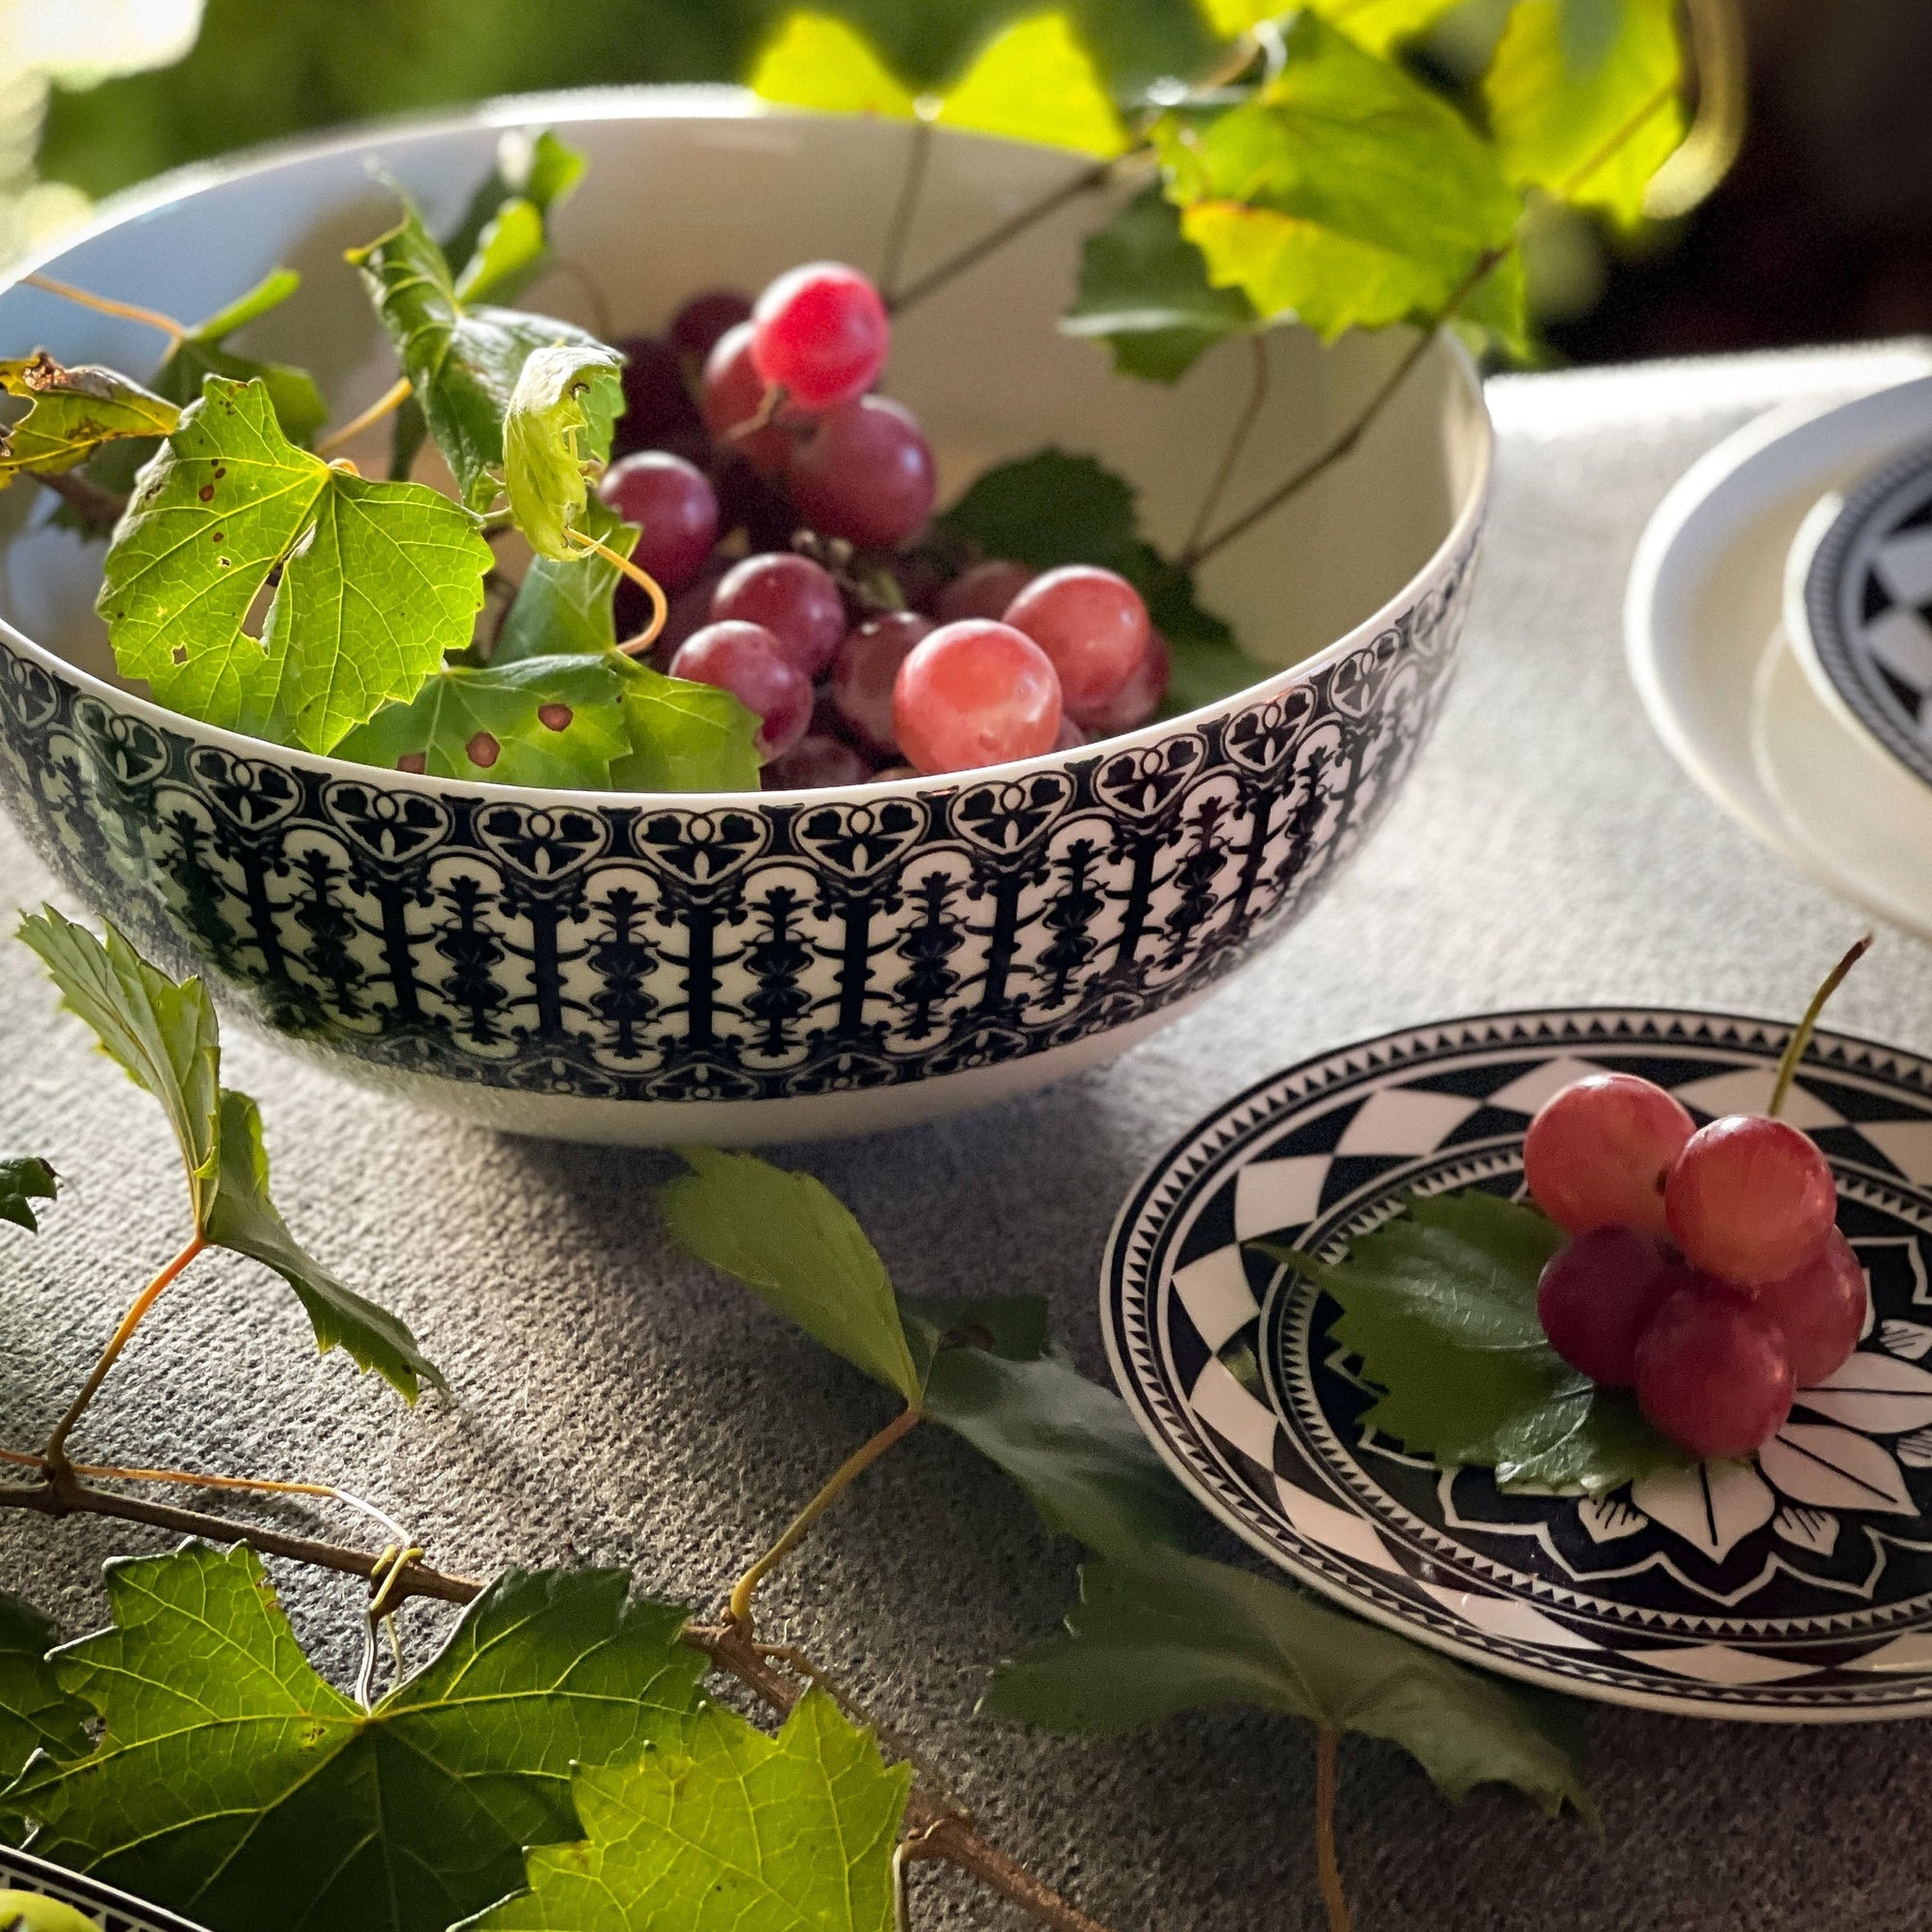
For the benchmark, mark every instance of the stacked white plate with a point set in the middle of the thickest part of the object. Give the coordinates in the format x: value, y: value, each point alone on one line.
x: 1775, y: 635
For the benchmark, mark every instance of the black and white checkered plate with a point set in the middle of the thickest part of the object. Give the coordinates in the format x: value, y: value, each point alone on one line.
x: 98, y: 1904
x: 1865, y: 619
x: 1796, y: 1587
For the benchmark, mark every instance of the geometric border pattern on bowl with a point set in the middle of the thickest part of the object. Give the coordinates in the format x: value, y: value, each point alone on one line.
x: 112, y: 1911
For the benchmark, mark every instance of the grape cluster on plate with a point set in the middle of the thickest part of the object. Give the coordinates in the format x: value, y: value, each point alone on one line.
x: 755, y: 423
x: 1705, y: 1266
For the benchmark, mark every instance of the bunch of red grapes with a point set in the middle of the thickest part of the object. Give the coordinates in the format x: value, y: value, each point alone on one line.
x: 1705, y: 1268
x: 776, y: 495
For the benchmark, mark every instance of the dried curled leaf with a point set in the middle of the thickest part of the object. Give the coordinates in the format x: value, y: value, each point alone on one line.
x: 74, y: 412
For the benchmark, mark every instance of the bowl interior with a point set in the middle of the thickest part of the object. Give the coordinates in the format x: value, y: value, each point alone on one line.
x: 690, y: 189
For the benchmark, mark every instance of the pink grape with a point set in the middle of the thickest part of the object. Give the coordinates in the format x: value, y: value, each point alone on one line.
x: 733, y: 393
x: 1071, y: 737
x: 793, y: 598
x: 696, y: 328
x: 749, y: 662
x: 673, y: 505
x: 1137, y: 700
x: 1820, y: 1309
x: 865, y: 671
x: 1597, y: 1295
x: 975, y: 693
x: 655, y: 402
x: 1712, y: 1371
x: 1749, y: 1199
x: 821, y: 332
x: 816, y: 761
x: 864, y: 472
x: 1597, y: 1153
x: 984, y: 590
x: 1090, y: 622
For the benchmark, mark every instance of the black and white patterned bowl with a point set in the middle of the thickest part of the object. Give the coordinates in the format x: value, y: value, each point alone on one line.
x: 1794, y: 1587
x: 1858, y: 607
x: 99, y: 1904
x: 763, y: 966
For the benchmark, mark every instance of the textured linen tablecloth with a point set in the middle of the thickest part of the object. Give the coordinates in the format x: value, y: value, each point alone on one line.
x: 618, y: 1403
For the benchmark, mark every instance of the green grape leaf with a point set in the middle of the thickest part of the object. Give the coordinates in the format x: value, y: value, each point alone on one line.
x: 1147, y: 1641
x: 685, y: 736
x: 814, y: 60
x: 1342, y: 191
x: 23, y: 1180
x: 462, y: 361
x: 1067, y: 1442
x: 377, y: 579
x: 36, y: 1912
x: 161, y: 1033
x: 799, y: 1248
x: 1586, y: 116
x: 244, y: 1218
x: 1036, y: 81
x: 231, y: 1779
x: 35, y: 1713
x: 1051, y: 508
x: 561, y: 395
x: 556, y: 721
x: 1440, y: 1305
x: 1144, y: 290
x: 1011, y: 1326
x: 502, y: 245
x: 73, y: 412
x: 250, y: 305
x: 734, y: 1831
x: 1376, y: 24
x: 564, y: 604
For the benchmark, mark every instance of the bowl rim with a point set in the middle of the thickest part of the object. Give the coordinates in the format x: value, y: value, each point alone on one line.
x: 705, y: 101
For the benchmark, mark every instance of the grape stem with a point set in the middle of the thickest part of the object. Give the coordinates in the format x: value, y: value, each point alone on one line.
x: 903, y: 209
x: 106, y: 305
x: 1800, y: 1038
x: 1244, y: 423
x: 1328, y: 1868
x: 633, y: 647
x: 392, y: 399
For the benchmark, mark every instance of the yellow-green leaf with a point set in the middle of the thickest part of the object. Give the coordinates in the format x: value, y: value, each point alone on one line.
x: 1588, y: 118
x: 1377, y: 24
x: 1036, y: 82
x: 561, y: 413
x: 74, y: 412
x: 815, y: 60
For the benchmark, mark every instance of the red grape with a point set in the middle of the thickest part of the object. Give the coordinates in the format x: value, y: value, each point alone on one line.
x: 1598, y: 1153
x: 865, y: 671
x: 734, y: 394
x: 817, y: 759
x: 975, y: 693
x: 747, y: 661
x: 864, y: 472
x: 1749, y: 1198
x: 1090, y: 622
x: 655, y: 402
x: 696, y: 328
x: 1597, y: 1295
x: 1820, y: 1309
x: 793, y: 598
x: 821, y: 332
x: 1712, y: 1371
x: 984, y: 590
x: 1137, y: 700
x: 1071, y: 737
x: 674, y: 507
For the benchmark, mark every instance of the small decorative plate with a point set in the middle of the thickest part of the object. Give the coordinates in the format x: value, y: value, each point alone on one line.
x: 112, y: 1911
x: 1795, y: 1587
x: 1858, y: 605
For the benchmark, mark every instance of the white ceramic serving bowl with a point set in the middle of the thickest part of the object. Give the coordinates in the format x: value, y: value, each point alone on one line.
x: 767, y: 966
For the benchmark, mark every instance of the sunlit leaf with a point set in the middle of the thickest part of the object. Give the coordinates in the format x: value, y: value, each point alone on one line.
x: 235, y: 1785
x: 377, y: 579
x: 503, y: 242
x: 796, y: 1245
x: 733, y: 1832
x: 685, y: 736
x: 1149, y: 1641
x: 1144, y: 288
x: 244, y: 1219
x: 1586, y: 114
x: 1036, y: 81
x: 815, y: 60
x: 25, y: 1180
x: 1377, y: 24
x: 559, y: 417
x: 73, y: 412
x: 161, y: 1033
x: 36, y: 1912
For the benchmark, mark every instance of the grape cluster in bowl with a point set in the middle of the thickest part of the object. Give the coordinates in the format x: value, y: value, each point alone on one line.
x: 1705, y: 1266
x: 778, y: 499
